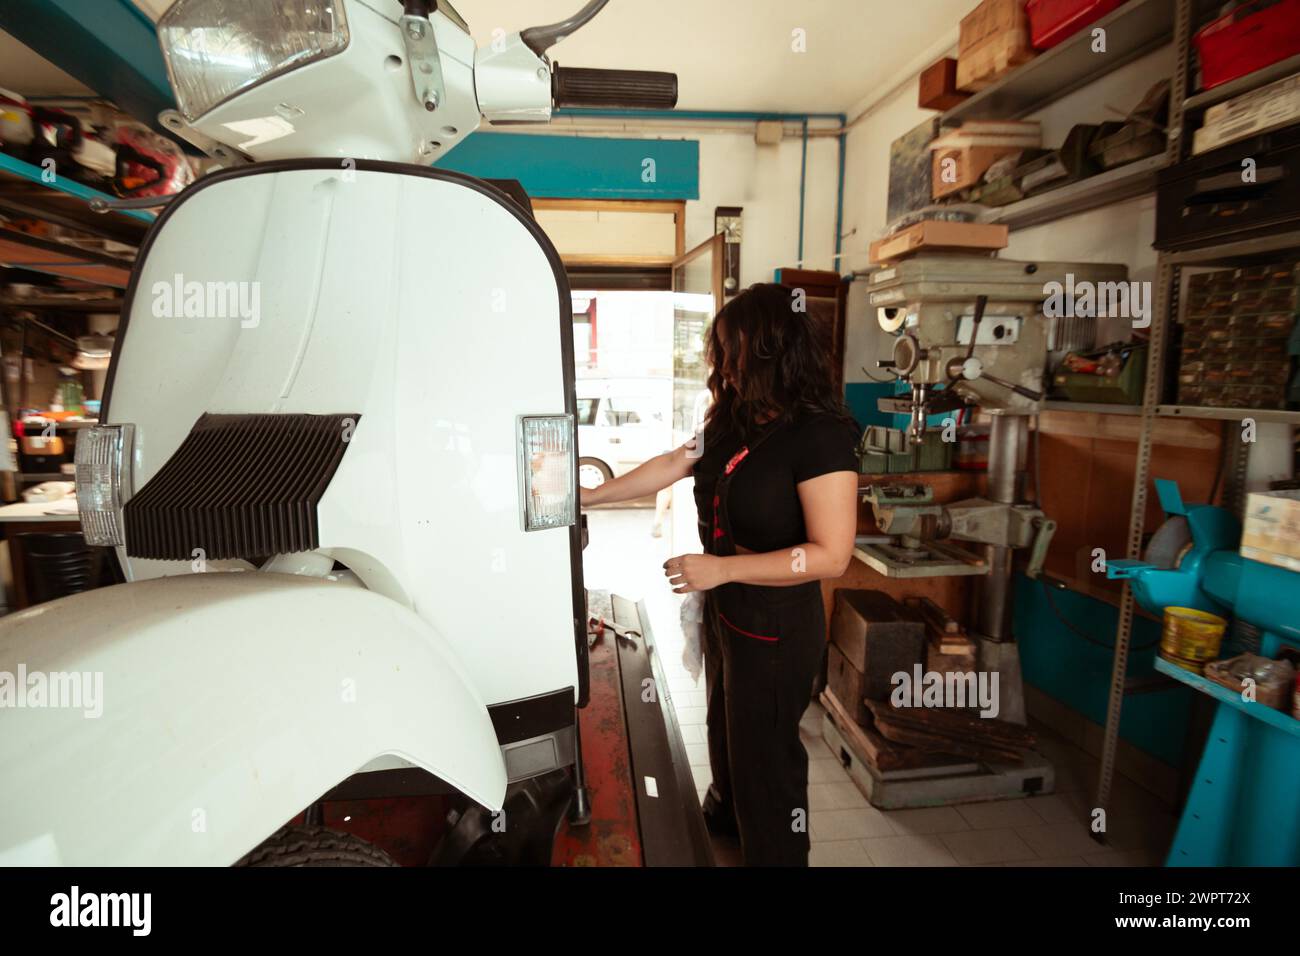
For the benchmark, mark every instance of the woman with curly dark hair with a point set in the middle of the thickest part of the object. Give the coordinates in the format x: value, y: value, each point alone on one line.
x: 776, y: 492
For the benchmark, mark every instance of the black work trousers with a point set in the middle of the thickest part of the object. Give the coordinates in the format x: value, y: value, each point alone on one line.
x: 763, y: 648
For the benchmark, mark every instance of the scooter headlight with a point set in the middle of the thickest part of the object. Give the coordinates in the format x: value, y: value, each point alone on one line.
x: 103, y: 482
x: 214, y: 49
x: 548, y: 465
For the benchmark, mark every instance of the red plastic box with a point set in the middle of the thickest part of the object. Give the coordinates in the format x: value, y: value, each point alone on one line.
x: 1247, y: 39
x: 1051, y: 21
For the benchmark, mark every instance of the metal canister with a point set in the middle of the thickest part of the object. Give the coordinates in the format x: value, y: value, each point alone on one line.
x: 1191, y: 638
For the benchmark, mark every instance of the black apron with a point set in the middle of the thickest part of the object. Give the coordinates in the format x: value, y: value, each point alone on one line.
x: 763, y: 648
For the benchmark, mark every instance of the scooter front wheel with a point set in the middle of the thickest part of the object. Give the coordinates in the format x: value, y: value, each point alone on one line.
x: 315, y: 846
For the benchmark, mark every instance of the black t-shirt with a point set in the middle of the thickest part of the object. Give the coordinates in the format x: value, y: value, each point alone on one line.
x: 763, y: 504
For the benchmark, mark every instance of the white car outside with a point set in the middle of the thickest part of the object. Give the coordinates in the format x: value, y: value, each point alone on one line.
x: 622, y: 422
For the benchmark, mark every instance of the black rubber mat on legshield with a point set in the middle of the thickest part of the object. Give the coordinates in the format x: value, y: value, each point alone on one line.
x: 239, y: 486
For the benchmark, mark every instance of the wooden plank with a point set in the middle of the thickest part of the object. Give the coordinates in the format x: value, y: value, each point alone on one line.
x: 869, y: 745
x: 673, y: 206
x: 21, y: 251
x: 937, y: 618
x: 943, y: 744
x: 587, y: 259
x: 965, y: 726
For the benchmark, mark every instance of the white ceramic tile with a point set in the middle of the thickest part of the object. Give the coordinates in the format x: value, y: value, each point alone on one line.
x: 1065, y: 861
x: 839, y: 853
x: 978, y: 847
x: 849, y: 824
x: 908, y: 851
x: 927, y: 820
x: 835, y: 796
x: 1060, y: 807
x: 998, y: 814
x: 1124, y: 858
x: 691, y: 715
x: 693, y: 733
x: 698, y: 755
x: 826, y: 770
x: 1049, y: 840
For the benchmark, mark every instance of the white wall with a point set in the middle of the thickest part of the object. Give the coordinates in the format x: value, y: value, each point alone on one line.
x: 764, y: 180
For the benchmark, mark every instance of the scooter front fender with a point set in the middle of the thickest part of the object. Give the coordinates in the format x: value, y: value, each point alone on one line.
x: 182, y: 720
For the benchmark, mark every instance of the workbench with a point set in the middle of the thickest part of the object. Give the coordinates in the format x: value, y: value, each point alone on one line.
x: 29, y: 517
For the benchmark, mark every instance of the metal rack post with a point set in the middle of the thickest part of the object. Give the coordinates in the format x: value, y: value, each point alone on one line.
x: 1168, y: 277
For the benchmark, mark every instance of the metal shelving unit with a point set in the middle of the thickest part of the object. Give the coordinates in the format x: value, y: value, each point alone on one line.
x: 1229, y: 414
x: 1167, y: 284
x: 1096, y: 408
x: 88, y: 247
x: 1243, y: 84
x: 1135, y: 29
x: 1114, y: 185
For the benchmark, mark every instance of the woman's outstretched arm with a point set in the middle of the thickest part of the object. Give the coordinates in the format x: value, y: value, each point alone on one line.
x: 830, y: 514
x: 645, y: 479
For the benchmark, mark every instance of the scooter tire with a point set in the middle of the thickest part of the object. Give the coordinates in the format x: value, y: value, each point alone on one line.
x: 315, y: 846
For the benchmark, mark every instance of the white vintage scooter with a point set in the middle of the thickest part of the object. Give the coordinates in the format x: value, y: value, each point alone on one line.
x: 304, y: 407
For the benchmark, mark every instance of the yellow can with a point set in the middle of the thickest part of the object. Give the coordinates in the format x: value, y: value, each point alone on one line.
x: 1191, y: 638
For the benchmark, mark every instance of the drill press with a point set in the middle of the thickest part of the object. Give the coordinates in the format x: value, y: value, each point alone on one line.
x: 967, y: 331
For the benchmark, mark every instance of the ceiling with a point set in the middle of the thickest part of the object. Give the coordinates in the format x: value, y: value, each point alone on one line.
x: 736, y: 54
x: 728, y: 54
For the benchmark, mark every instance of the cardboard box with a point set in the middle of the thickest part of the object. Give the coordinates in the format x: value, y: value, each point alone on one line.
x: 993, y: 40
x: 937, y: 87
x: 1271, y: 533
x: 953, y: 169
x: 933, y: 234
x: 1258, y: 111
x: 959, y: 159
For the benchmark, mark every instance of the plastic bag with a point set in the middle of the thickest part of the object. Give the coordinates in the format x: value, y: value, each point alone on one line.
x: 693, y: 631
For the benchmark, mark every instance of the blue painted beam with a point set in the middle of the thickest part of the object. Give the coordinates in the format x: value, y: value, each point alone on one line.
x: 569, y: 167
x: 108, y: 45
x: 35, y: 174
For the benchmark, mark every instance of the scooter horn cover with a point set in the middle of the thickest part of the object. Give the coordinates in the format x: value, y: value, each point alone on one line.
x: 239, y: 486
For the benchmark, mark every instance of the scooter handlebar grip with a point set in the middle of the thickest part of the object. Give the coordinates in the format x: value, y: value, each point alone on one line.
x: 582, y: 88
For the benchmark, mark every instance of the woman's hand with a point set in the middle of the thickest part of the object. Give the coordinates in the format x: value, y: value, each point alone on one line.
x: 695, y: 572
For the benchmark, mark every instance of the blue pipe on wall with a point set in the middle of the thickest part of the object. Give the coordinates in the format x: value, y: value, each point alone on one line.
x: 748, y: 116
x: 803, y: 189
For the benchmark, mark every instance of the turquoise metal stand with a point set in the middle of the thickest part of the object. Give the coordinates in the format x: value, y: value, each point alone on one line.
x: 1244, y: 805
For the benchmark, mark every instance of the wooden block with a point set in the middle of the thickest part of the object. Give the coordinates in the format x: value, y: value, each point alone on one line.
x: 845, y: 682
x: 990, y: 19
x: 937, y: 660
x: 878, y: 636
x: 937, y: 87
x: 955, y: 168
x: 932, y: 235
x: 985, y: 62
x: 867, y: 743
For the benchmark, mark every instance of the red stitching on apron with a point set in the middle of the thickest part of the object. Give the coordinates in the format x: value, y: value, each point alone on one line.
x: 741, y: 630
x: 736, y: 459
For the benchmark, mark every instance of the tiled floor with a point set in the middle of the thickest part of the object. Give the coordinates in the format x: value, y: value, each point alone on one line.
x: 1050, y: 830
